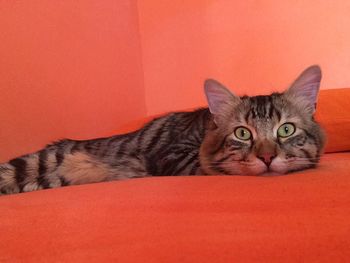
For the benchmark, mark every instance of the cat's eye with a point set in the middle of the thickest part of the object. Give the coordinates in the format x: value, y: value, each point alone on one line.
x: 286, y: 130
x: 243, y: 133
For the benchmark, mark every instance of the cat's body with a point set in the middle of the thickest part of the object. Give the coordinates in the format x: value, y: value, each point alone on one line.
x: 235, y: 135
x: 166, y: 146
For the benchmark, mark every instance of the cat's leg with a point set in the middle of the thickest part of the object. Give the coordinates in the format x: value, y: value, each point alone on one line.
x: 51, y: 168
x: 82, y: 168
x: 128, y: 166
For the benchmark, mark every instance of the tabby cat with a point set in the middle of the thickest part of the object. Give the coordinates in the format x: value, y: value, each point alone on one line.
x: 235, y: 135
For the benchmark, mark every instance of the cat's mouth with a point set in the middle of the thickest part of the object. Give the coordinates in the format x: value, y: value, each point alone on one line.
x: 272, y: 171
x: 258, y: 167
x: 268, y: 171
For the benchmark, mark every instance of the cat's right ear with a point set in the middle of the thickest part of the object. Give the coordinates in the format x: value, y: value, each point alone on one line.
x: 221, y: 101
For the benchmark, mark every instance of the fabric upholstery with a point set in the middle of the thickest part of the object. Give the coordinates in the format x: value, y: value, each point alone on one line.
x: 333, y: 112
x: 301, y: 217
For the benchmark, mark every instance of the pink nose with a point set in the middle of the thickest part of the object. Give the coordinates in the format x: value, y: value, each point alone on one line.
x: 266, y: 158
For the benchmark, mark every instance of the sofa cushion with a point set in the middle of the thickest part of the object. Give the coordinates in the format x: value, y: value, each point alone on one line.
x: 333, y: 112
x: 301, y: 217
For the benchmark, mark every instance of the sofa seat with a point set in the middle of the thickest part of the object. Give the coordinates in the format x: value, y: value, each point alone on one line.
x: 300, y: 217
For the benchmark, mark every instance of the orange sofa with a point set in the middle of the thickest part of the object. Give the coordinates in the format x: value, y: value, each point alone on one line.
x: 300, y: 217
x: 80, y: 69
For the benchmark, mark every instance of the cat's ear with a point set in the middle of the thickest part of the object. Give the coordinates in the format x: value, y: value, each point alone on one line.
x: 306, y: 87
x: 221, y: 101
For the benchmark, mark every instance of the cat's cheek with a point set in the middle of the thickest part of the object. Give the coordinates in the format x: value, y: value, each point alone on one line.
x: 279, y: 165
x: 256, y: 167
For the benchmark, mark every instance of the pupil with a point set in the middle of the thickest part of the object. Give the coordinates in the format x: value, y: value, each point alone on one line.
x: 286, y: 129
x: 242, y: 133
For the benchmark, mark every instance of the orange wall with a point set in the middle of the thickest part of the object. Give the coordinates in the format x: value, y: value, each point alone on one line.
x: 81, y: 69
x: 67, y: 69
x: 249, y: 45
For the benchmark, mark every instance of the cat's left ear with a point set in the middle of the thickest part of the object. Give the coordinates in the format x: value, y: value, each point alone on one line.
x: 221, y: 101
x: 305, y: 88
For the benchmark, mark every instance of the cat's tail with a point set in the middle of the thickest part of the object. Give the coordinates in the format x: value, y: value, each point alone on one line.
x: 34, y: 171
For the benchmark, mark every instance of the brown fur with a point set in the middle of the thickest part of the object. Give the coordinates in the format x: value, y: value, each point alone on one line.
x: 187, y: 143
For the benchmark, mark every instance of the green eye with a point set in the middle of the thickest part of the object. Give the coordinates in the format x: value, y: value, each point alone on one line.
x: 286, y: 130
x: 243, y: 133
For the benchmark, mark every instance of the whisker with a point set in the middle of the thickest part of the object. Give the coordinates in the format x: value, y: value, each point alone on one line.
x: 229, y: 164
x: 230, y: 161
x: 304, y: 160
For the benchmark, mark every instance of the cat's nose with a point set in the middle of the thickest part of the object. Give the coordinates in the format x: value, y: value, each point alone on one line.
x: 267, y: 158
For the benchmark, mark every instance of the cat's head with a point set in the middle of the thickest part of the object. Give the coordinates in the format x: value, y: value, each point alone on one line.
x: 253, y: 135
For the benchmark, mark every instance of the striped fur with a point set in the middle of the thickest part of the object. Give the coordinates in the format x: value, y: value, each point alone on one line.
x: 183, y: 143
x: 166, y: 146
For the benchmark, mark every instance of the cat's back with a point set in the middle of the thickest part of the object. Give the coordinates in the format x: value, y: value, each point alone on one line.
x: 173, y: 128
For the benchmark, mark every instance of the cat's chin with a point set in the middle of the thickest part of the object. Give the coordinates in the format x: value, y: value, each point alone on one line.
x: 266, y: 172
x: 257, y: 167
x: 271, y: 173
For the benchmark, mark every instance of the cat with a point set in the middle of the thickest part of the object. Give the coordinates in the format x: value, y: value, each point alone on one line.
x: 233, y: 136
